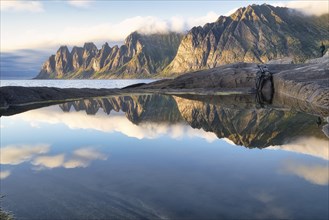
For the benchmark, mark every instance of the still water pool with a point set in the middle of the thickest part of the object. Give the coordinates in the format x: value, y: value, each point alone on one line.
x: 80, y: 83
x: 163, y: 157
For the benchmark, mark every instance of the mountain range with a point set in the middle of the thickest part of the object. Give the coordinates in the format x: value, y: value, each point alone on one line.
x: 257, y: 33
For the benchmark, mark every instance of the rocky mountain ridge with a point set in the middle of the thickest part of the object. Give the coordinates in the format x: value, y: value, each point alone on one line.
x: 139, y: 56
x: 257, y: 33
x: 253, y: 34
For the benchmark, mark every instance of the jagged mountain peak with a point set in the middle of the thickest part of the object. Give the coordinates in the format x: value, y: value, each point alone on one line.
x: 141, y: 54
x: 132, y: 37
x: 256, y: 33
x: 63, y: 49
x: 90, y: 46
x: 106, y: 45
x: 76, y: 49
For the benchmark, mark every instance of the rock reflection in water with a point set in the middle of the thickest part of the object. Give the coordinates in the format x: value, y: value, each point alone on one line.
x: 235, y: 117
x: 149, y: 162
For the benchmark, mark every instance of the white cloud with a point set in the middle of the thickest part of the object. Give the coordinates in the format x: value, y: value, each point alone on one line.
x: 209, y: 17
x: 16, y: 154
x: 100, y: 33
x: 307, y: 7
x: 30, y: 6
x: 178, y: 24
x: 306, y: 145
x: 113, y: 123
x: 230, y: 12
x: 4, y: 174
x: 316, y: 174
x: 80, y: 4
x: 78, y: 34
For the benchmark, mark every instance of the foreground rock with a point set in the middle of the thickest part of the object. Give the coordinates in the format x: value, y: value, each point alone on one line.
x: 306, y: 83
x: 15, y: 96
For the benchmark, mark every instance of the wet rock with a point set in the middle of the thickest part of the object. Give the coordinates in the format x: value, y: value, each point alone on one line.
x: 286, y: 60
x: 320, y: 59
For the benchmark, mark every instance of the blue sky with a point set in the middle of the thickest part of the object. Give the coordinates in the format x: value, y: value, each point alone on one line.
x: 49, y: 24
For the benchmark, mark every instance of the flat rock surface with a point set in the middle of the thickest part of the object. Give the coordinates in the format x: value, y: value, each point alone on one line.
x: 17, y: 95
x: 305, y: 82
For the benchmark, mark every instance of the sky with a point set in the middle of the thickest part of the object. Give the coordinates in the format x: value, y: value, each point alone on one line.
x: 45, y: 25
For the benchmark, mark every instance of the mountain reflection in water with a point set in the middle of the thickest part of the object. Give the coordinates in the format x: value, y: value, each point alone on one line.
x: 160, y: 156
x: 242, y: 124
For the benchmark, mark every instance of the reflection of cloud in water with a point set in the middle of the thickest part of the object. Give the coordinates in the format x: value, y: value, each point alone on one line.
x: 49, y: 161
x: 88, y: 154
x: 79, y: 158
x: 271, y: 209
x: 229, y: 141
x: 82, y: 158
x: 16, y: 154
x: 307, y: 145
x: 317, y: 174
x: 113, y: 123
x: 4, y: 174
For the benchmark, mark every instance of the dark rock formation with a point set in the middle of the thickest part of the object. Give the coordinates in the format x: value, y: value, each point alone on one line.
x: 234, y: 117
x: 140, y: 56
x: 138, y: 108
x: 15, y: 99
x: 255, y: 34
x: 306, y: 86
x: 305, y: 82
x: 248, y: 127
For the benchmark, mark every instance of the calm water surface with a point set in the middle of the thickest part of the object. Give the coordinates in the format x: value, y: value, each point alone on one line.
x: 109, y: 84
x: 163, y: 157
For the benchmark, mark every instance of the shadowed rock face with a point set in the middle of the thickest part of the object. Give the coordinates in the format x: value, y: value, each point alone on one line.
x: 305, y: 82
x: 254, y: 34
x: 138, y: 108
x: 15, y: 99
x: 236, y: 117
x: 241, y: 122
x: 252, y: 127
x: 140, y: 56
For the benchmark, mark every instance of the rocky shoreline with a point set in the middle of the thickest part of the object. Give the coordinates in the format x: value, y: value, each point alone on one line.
x: 305, y: 83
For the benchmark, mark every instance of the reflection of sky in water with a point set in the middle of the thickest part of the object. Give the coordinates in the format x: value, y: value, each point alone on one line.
x: 75, y: 165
